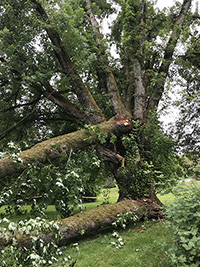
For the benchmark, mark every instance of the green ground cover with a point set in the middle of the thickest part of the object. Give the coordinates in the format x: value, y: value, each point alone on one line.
x: 141, y: 248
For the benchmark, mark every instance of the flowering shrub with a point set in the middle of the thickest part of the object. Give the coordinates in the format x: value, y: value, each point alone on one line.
x: 39, y: 253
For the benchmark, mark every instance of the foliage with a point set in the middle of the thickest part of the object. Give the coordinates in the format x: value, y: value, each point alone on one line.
x: 62, y: 184
x: 123, y: 220
x: 56, y: 74
x: 184, y: 220
x: 40, y: 254
x: 151, y: 159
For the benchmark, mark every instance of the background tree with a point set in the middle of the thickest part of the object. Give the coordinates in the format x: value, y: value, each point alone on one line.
x: 188, y: 130
x: 56, y: 68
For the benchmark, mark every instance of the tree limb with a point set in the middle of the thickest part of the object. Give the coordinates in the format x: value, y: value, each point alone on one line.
x: 103, y: 69
x: 140, y: 90
x: 52, y: 148
x: 93, y: 220
x: 91, y: 110
x: 57, y: 98
x: 168, y: 55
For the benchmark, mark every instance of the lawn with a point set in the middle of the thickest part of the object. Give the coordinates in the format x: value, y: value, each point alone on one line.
x: 147, y: 248
x: 141, y: 248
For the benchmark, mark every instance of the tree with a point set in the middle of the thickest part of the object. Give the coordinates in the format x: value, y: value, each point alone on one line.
x: 56, y: 67
x: 187, y: 130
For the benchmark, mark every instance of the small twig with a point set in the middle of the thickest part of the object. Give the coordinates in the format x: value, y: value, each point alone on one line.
x: 70, y: 154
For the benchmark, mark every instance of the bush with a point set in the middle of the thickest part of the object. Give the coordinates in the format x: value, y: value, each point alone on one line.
x: 184, y: 220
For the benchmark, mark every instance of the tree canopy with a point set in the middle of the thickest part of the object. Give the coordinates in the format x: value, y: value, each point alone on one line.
x: 57, y: 75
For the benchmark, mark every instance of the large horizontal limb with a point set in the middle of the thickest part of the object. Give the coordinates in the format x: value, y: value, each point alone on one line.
x: 93, y: 220
x: 51, y: 149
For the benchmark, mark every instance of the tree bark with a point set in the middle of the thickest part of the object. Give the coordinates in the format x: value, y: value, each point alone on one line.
x: 104, y: 71
x: 91, y: 109
x: 93, y: 220
x: 50, y: 150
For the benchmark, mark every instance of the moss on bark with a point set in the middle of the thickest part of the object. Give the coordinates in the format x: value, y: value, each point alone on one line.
x: 93, y: 220
x: 51, y: 149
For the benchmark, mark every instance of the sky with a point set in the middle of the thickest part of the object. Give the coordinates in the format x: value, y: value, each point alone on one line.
x: 164, y: 3
x: 171, y: 113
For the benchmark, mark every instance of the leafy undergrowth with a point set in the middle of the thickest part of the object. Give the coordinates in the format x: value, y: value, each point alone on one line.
x: 145, y: 244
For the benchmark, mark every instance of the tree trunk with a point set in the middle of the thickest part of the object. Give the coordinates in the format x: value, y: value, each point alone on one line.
x: 93, y: 220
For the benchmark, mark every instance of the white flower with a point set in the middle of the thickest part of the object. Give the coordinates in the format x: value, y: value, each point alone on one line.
x: 12, y: 226
x: 44, y: 250
x: 20, y: 160
x: 11, y: 144
x: 120, y: 239
x: 59, y: 184
x: 113, y: 243
x: 5, y: 220
x: 74, y: 174
x: 115, y: 234
x: 54, y: 259
x: 34, y: 238
x: 56, y: 226
x: 34, y: 256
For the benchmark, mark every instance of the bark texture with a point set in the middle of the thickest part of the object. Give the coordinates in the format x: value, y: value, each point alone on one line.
x: 104, y: 72
x: 49, y: 150
x: 95, y: 219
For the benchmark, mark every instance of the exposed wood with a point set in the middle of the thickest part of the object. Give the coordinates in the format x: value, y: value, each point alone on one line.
x: 95, y: 219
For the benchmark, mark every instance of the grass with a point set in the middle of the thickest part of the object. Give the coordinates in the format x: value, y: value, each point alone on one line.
x: 140, y: 249
x: 147, y: 248
x: 169, y: 198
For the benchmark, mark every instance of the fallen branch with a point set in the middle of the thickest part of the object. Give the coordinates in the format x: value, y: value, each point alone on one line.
x: 92, y: 220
